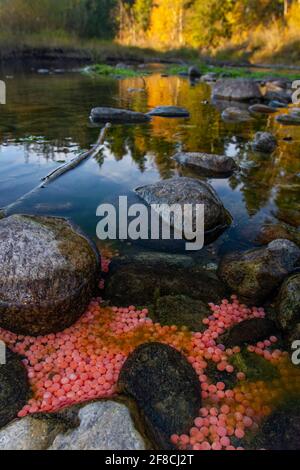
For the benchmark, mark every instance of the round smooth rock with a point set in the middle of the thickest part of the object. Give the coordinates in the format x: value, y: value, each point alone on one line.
x: 49, y: 272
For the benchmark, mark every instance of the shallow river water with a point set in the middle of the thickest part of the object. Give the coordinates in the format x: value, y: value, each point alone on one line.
x: 46, y: 122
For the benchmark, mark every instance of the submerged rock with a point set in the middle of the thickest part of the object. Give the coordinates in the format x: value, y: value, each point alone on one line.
x: 143, y: 278
x: 288, y: 304
x: 48, y: 273
x: 14, y: 387
x: 169, y: 111
x: 181, y: 311
x: 240, y: 89
x: 187, y: 191
x: 248, y: 331
x: 165, y: 388
x: 207, y: 164
x: 256, y: 273
x: 264, y: 142
x: 118, y: 115
x: 262, y: 109
x: 234, y: 114
x: 104, y: 425
x: 272, y: 231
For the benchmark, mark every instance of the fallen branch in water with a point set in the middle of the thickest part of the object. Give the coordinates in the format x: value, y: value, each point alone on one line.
x: 61, y: 170
x: 77, y: 160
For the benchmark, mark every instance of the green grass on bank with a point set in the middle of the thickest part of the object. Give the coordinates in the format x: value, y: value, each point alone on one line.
x: 235, y: 72
x: 109, y: 71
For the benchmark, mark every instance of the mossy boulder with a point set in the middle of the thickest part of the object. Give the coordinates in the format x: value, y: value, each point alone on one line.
x: 49, y: 272
x: 166, y: 389
x: 14, y: 387
x: 256, y: 273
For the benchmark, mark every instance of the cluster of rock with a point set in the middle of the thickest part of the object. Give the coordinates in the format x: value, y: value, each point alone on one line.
x: 45, y: 288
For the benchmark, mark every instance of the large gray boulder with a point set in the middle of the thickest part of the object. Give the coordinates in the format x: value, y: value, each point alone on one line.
x: 116, y: 115
x: 256, y: 273
x: 207, y: 164
x: 104, y: 425
x: 14, y: 387
x: 187, y: 191
x: 239, y: 89
x: 48, y: 274
x: 166, y: 389
x: 30, y: 433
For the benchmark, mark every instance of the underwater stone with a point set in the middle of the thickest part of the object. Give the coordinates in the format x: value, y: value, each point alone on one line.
x: 144, y: 277
x: 248, y: 331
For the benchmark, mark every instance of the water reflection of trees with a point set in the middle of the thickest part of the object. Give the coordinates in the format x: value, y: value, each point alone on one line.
x: 57, y: 108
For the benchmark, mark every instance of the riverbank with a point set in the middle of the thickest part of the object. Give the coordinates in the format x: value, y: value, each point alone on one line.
x: 40, y: 50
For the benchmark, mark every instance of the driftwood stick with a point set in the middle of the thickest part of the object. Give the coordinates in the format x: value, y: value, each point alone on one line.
x: 77, y: 160
x: 59, y: 171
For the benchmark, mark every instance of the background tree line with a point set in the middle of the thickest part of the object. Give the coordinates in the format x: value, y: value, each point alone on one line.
x: 157, y: 23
